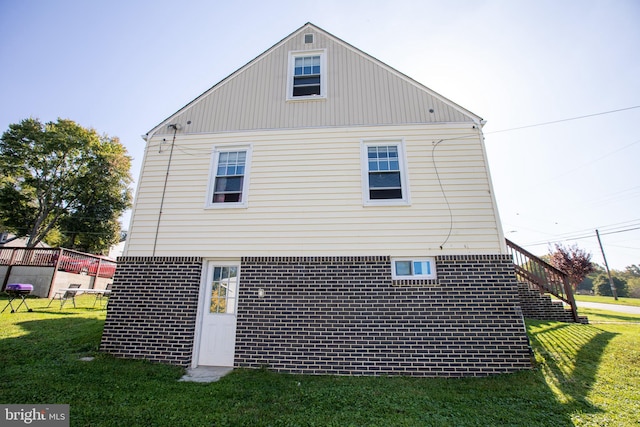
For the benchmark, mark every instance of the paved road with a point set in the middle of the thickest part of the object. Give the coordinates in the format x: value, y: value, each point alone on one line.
x: 611, y: 307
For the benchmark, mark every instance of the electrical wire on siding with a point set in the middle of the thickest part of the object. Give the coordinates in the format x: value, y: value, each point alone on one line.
x: 164, y: 188
x: 444, y: 194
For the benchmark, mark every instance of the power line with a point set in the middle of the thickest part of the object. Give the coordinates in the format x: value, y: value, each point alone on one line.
x: 588, y: 236
x: 577, y: 233
x: 625, y: 195
x: 620, y: 231
x: 590, y: 162
x: 564, y: 120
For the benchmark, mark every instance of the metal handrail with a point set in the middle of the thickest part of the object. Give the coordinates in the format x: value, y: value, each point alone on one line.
x: 542, y: 276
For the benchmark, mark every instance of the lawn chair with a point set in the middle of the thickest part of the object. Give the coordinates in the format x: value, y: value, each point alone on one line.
x: 69, y: 294
x: 103, y: 295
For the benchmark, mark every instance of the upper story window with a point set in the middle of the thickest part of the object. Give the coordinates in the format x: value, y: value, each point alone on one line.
x: 307, y: 75
x: 229, y: 177
x: 384, y: 173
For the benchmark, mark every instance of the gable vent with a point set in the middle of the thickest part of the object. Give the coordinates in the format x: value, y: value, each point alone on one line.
x: 308, y: 38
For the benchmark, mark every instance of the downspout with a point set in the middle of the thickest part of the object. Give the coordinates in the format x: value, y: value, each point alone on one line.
x: 175, y: 128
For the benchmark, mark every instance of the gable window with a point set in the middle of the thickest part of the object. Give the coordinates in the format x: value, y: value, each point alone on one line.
x: 423, y: 268
x: 384, y: 174
x: 307, y: 73
x: 306, y: 76
x: 229, y: 178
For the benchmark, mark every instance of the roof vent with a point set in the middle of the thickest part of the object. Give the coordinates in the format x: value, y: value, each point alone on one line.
x: 308, y: 38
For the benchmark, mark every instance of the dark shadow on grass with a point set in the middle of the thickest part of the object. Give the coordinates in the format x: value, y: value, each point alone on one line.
x: 571, y: 354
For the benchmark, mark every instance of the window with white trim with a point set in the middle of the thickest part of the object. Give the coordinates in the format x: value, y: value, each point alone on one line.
x: 307, y: 75
x: 224, y: 289
x: 384, y: 179
x: 423, y: 268
x: 228, y: 184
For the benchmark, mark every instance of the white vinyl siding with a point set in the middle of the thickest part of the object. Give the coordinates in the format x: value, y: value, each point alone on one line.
x: 305, y: 195
x: 361, y: 91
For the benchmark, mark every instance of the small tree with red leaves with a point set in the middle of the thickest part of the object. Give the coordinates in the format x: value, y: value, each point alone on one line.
x: 573, y: 261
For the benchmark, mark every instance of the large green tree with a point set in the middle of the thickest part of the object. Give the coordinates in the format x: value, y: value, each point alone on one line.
x: 59, y: 176
x: 602, y: 286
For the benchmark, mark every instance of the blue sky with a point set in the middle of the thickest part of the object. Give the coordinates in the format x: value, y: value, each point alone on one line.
x: 122, y: 67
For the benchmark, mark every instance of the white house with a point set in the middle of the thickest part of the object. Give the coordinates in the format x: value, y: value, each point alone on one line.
x: 318, y: 211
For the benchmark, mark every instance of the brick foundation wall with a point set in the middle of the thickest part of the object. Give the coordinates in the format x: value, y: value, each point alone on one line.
x: 346, y: 316
x: 330, y: 315
x: 152, y: 309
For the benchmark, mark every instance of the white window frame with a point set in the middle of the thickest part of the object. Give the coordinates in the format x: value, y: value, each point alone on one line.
x: 323, y: 74
x: 215, y: 156
x: 404, y: 177
x: 232, y: 293
x: 432, y: 267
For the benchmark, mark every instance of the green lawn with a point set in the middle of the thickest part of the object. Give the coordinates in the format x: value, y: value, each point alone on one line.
x: 585, y: 375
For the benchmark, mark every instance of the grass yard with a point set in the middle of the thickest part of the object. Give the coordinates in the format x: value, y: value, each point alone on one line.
x: 584, y: 376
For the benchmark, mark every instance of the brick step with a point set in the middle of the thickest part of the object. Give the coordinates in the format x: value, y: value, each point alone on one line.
x: 541, y: 307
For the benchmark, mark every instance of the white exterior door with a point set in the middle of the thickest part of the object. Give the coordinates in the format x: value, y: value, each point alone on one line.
x: 218, y: 331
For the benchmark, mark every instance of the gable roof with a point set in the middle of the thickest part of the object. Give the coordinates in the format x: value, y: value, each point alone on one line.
x: 361, y: 90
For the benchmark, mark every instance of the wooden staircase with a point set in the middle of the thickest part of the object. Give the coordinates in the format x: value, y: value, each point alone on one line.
x: 537, y: 280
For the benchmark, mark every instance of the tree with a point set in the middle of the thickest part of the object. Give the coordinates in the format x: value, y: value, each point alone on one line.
x: 632, y: 276
x: 603, y: 287
x: 573, y: 261
x: 633, y: 270
x: 587, y: 282
x: 63, y: 176
x: 633, y: 287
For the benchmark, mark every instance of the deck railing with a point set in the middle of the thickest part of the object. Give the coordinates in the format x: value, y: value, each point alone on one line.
x: 542, y: 276
x: 63, y: 259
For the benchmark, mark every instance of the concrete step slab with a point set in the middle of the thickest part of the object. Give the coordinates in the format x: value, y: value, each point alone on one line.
x: 206, y: 374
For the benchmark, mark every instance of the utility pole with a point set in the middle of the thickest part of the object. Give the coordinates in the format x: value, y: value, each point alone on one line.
x: 613, y: 287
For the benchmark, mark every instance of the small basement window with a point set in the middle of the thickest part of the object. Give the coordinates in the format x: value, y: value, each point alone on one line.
x: 423, y: 268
